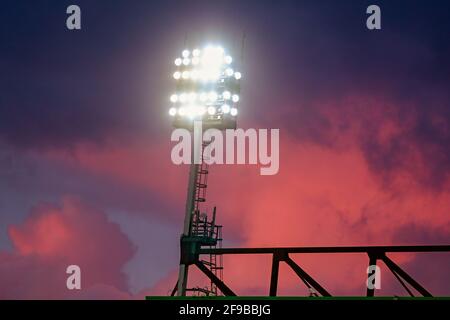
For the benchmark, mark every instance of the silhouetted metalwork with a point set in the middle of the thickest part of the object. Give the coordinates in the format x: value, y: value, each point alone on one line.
x: 281, y: 254
x: 202, y: 236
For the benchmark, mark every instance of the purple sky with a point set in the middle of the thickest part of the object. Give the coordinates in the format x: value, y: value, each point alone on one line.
x: 364, y: 120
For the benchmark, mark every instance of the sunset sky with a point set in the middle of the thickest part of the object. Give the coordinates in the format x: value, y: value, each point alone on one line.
x: 86, y: 176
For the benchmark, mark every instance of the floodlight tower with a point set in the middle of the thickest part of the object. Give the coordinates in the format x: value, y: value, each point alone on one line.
x: 207, y: 93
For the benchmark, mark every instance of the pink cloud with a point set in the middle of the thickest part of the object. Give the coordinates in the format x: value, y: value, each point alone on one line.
x: 324, y: 194
x: 141, y: 164
x: 54, y: 237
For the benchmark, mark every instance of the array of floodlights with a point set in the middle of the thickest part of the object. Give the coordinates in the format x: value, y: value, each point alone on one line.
x: 207, y: 86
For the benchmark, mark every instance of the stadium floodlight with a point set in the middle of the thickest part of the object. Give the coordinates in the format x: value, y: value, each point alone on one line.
x: 207, y: 88
x: 183, y: 98
x: 185, y: 54
x: 185, y: 75
x: 212, y: 96
x: 225, y: 108
x: 229, y: 72
x: 226, y: 95
x: 211, y: 110
x: 192, y: 97
x: 172, y: 111
x: 228, y: 59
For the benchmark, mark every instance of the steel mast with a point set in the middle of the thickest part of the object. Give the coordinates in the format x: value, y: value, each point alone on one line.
x: 207, y: 94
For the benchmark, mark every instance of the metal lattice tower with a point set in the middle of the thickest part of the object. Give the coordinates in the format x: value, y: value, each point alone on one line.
x: 202, y: 232
x: 212, y: 102
x: 208, y: 233
x: 207, y: 93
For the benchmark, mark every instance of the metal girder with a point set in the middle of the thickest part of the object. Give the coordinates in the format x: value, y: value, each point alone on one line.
x: 280, y: 254
x: 399, y: 271
x: 304, y: 275
x: 219, y: 283
x: 366, y: 249
x: 174, y: 290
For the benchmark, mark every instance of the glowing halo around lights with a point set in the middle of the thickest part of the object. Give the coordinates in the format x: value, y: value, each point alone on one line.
x: 172, y: 111
x: 185, y: 53
x: 228, y: 59
x: 229, y: 72
x: 211, y: 111
x: 201, y: 110
x: 207, y: 86
x: 226, y: 95
x: 192, y: 97
x: 225, y: 108
x: 212, y: 96
x: 183, y: 97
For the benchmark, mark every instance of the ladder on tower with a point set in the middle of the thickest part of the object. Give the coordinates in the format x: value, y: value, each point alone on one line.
x: 200, y: 185
x: 208, y: 233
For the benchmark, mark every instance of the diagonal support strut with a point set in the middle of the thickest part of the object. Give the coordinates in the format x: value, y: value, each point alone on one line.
x: 399, y: 271
x: 304, y: 275
x: 219, y: 283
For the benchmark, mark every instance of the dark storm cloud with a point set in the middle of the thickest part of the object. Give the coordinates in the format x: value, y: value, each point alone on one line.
x: 302, y: 59
x: 112, y: 77
x: 61, y: 87
x: 327, y: 55
x: 425, y: 264
x: 415, y: 234
x: 428, y: 136
x: 38, y: 178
